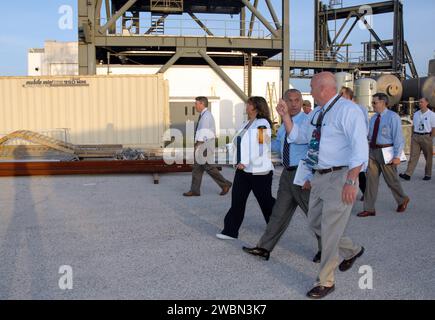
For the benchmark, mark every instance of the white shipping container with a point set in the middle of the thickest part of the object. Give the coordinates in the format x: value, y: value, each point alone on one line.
x: 129, y: 110
x: 192, y: 81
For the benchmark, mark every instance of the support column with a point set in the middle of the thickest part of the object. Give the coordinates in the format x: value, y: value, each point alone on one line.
x: 223, y: 75
x: 87, y: 50
x: 285, y: 46
x: 243, y: 22
x: 171, y: 61
x: 260, y: 17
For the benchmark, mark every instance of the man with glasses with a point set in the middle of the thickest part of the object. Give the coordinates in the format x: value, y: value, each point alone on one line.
x: 385, y: 132
x: 348, y: 94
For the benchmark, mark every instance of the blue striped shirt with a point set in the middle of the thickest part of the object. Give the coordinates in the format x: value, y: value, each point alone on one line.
x: 298, y: 152
x: 390, y: 131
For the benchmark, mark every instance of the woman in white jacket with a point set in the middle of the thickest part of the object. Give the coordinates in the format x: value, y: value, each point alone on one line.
x: 254, y: 168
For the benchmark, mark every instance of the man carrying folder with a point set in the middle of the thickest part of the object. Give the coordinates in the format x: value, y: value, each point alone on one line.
x: 385, y: 132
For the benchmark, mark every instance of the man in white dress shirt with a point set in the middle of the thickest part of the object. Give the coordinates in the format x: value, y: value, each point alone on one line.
x: 205, y: 133
x: 424, y: 131
x: 338, y: 152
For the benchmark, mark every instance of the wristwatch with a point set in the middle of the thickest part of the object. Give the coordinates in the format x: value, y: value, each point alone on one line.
x: 350, y: 182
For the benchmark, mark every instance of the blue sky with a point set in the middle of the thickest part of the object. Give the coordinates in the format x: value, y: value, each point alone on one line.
x: 27, y: 23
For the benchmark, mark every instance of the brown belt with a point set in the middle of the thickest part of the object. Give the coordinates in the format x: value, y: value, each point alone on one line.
x: 382, y: 146
x: 423, y: 134
x: 325, y: 171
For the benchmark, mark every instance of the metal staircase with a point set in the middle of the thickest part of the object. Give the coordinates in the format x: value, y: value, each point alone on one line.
x: 158, y: 23
x: 167, y: 6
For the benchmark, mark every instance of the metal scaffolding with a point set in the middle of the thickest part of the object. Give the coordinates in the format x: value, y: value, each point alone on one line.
x: 146, y: 33
x: 142, y: 32
x: 389, y: 55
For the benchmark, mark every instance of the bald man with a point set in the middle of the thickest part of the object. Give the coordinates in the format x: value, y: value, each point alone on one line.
x: 338, y: 152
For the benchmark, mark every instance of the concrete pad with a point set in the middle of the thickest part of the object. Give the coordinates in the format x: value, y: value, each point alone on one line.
x: 126, y: 238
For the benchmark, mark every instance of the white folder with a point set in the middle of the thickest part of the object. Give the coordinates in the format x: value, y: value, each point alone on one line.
x: 388, y: 154
x: 302, y: 174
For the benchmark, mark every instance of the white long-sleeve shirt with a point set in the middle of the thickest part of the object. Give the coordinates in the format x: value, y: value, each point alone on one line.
x: 254, y: 156
x: 344, y: 135
x: 206, y: 129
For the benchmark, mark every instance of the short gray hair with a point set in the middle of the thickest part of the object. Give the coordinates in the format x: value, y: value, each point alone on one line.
x: 292, y: 91
x: 203, y: 100
x: 382, y: 97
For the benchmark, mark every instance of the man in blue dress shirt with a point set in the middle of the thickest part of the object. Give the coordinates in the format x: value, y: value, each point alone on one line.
x: 385, y: 132
x: 338, y: 152
x: 290, y: 196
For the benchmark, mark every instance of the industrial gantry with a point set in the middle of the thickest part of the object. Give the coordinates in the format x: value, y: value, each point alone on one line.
x: 144, y: 32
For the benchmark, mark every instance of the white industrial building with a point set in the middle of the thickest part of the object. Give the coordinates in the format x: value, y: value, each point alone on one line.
x: 55, y: 59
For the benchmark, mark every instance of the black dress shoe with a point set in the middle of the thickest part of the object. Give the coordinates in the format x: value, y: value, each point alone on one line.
x: 318, y: 257
x: 191, y: 194
x: 259, y: 252
x: 405, y: 176
x: 427, y: 178
x: 320, y: 292
x: 347, y: 264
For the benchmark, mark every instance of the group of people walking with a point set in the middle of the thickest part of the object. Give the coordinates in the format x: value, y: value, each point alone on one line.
x: 339, y: 148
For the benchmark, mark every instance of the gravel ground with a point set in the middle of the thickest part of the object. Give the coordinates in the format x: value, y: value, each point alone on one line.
x: 126, y: 238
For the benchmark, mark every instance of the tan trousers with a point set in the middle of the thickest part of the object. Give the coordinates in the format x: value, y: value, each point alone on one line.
x: 328, y: 217
x: 376, y: 167
x: 211, y: 169
x: 418, y: 144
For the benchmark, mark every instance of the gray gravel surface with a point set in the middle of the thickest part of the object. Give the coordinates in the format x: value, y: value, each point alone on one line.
x: 126, y: 238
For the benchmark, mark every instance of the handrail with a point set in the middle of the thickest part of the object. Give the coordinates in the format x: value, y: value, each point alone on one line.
x: 130, y: 26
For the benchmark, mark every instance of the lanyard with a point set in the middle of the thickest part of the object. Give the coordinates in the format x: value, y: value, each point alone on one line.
x: 322, y: 115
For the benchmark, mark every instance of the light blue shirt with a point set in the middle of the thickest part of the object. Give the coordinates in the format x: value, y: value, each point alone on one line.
x: 390, y: 131
x: 344, y: 140
x: 366, y: 116
x: 298, y: 152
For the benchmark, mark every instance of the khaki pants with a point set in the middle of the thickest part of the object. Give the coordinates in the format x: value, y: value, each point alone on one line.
x: 328, y: 217
x: 421, y: 143
x: 289, y: 198
x: 198, y: 169
x: 376, y: 167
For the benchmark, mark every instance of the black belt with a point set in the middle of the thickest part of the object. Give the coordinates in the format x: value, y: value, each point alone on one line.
x: 291, y: 169
x: 423, y: 134
x: 325, y: 171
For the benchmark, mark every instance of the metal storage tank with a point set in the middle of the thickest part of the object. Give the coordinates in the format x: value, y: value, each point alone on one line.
x: 128, y: 110
x: 391, y: 86
x: 365, y: 88
x: 421, y: 87
x: 344, y: 79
